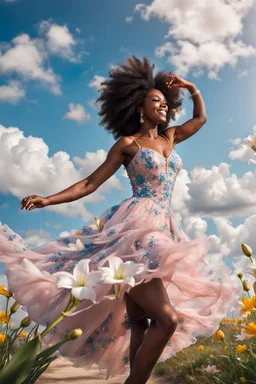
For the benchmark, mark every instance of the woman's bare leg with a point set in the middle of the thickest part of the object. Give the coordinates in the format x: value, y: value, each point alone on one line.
x: 154, y: 301
x: 139, y: 326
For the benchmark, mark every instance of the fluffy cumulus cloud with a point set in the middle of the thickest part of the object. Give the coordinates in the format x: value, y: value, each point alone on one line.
x: 11, y: 93
x: 205, y: 36
x: 27, y: 58
x: 96, y: 82
x: 59, y: 40
x: 215, y: 192
x: 77, y: 113
x: 241, y: 152
x: 25, y: 166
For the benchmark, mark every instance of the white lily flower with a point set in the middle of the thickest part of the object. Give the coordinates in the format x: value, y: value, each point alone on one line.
x: 31, y: 268
x: 119, y: 272
x: 252, y: 161
x: 78, y: 246
x: 81, y: 282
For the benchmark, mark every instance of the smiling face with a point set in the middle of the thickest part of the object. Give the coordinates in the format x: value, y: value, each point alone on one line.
x: 155, y: 107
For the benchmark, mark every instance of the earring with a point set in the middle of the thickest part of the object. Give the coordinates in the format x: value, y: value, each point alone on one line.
x: 141, y: 118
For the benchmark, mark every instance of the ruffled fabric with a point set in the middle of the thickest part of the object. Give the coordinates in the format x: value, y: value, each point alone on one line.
x: 142, y: 229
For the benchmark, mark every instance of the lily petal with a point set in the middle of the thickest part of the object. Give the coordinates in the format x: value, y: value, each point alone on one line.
x: 79, y: 245
x: 107, y: 271
x: 31, y: 268
x: 93, y: 278
x: 65, y: 280
x: 110, y: 280
x: 115, y: 263
x: 129, y: 281
x: 82, y: 293
x: 252, y: 161
x: 133, y: 269
x: 81, y: 268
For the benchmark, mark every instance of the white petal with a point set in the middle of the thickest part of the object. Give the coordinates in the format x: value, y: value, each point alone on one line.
x: 81, y: 268
x: 79, y: 245
x: 31, y: 268
x: 133, y: 269
x: 65, y: 280
x: 107, y: 271
x: 82, y: 293
x: 115, y: 263
x: 254, y: 138
x: 93, y: 278
x: 129, y: 281
x: 110, y: 280
x: 252, y: 161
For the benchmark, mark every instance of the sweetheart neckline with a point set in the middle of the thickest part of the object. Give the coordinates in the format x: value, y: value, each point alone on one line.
x: 166, y: 158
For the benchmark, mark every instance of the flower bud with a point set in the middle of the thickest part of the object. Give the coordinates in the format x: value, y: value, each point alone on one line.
x: 246, y: 286
x: 75, y: 334
x: 240, y: 275
x: 246, y: 250
x: 25, y: 322
x: 97, y: 223
x: 219, y: 335
x: 15, y: 307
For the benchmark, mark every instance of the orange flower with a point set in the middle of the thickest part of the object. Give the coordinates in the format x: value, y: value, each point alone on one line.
x: 241, y: 348
x: 248, y: 305
x: 200, y: 348
x: 250, y: 329
x: 4, y: 292
x: 79, y: 233
x: 4, y: 317
x: 22, y: 335
x: 219, y: 335
x: 2, y: 338
x: 242, y: 379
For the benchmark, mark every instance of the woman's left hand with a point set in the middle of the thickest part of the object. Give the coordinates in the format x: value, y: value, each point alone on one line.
x: 174, y: 81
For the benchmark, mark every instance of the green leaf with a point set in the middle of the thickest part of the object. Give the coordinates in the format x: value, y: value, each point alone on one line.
x: 19, y: 367
x: 48, y: 352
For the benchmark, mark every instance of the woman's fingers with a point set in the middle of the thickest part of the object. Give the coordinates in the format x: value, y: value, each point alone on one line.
x: 28, y: 202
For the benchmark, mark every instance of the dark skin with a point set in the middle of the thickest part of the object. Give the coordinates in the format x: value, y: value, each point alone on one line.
x: 124, y: 149
x: 147, y: 341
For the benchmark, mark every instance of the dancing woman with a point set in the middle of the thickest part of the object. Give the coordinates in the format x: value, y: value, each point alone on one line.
x: 181, y: 294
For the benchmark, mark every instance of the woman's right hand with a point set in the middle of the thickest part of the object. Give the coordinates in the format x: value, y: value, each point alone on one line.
x: 33, y: 202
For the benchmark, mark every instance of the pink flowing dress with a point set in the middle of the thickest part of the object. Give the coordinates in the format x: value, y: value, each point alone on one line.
x: 142, y: 228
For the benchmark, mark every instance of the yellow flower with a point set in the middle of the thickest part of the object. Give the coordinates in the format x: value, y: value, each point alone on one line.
x: 250, y: 329
x: 248, y: 305
x: 219, y: 335
x: 225, y: 347
x: 223, y: 323
x: 79, y: 233
x: 200, y: 348
x: 238, y: 329
x: 4, y: 317
x: 242, y: 379
x: 4, y: 292
x: 22, y: 335
x: 241, y: 348
x: 2, y: 338
x: 205, y: 338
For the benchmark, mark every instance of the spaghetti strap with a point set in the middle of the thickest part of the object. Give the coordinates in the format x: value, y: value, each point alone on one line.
x: 136, y: 142
x: 166, y: 139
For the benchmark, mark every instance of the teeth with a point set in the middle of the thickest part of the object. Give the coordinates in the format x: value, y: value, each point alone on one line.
x: 162, y: 113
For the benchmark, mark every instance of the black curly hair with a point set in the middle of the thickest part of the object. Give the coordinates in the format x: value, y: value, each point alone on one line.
x: 125, y: 91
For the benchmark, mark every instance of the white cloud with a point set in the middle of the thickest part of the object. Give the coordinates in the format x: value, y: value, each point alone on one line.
x: 96, y: 82
x: 11, y: 93
x: 35, y: 238
x: 206, y: 36
x: 77, y: 113
x: 243, y: 153
x: 92, y: 103
x: 129, y: 19
x: 26, y: 168
x: 60, y: 40
x: 27, y: 58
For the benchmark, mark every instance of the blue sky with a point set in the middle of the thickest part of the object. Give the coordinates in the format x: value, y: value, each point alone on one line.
x: 52, y: 57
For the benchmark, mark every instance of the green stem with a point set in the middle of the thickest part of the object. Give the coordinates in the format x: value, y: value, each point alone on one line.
x: 118, y: 291
x: 69, y: 309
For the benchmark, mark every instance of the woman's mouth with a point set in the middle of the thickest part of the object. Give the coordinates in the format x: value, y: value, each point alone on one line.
x: 161, y: 112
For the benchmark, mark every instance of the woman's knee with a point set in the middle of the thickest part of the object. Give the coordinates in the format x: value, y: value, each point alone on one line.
x: 168, y: 320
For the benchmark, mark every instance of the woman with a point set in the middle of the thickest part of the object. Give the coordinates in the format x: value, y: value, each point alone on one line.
x: 182, y: 294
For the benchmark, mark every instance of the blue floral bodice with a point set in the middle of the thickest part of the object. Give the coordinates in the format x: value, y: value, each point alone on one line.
x: 153, y: 175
